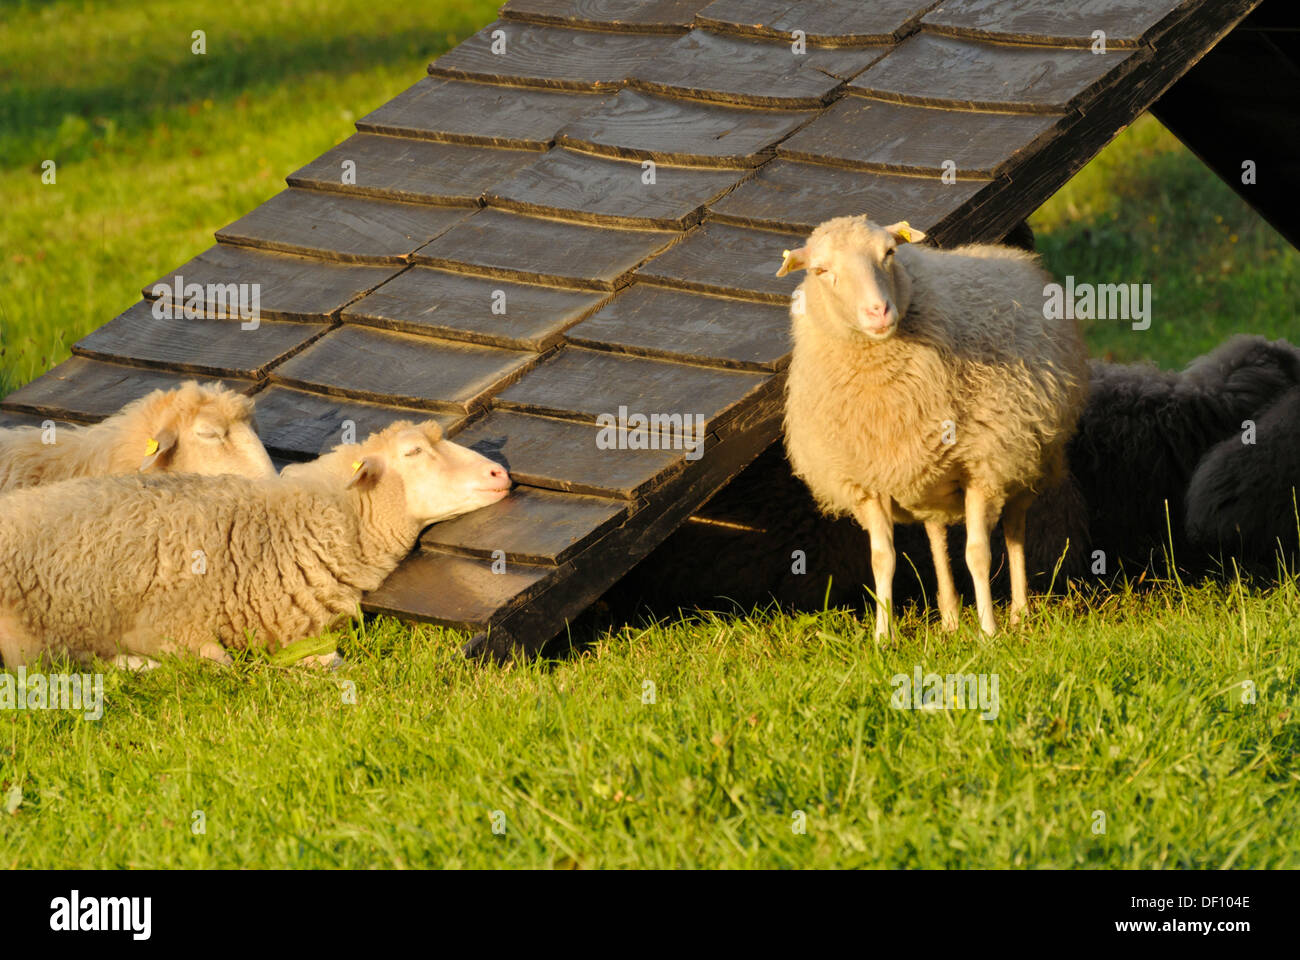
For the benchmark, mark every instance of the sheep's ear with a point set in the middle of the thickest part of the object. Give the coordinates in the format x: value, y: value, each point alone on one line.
x: 904, y: 232
x: 794, y: 260
x: 366, y: 472
x: 158, y: 450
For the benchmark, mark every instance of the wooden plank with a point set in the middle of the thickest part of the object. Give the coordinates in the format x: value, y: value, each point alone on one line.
x: 568, y: 456
x: 675, y: 325
x: 579, y: 186
x: 714, y: 66
x: 531, y: 249
x: 217, y: 348
x: 974, y: 75
x: 289, y: 288
x: 546, y: 56
x: 89, y: 390
x: 728, y: 260
x: 302, y: 424
x: 344, y: 228
x: 482, y: 114
x: 403, y: 370
x: 457, y: 306
x: 836, y: 22
x: 455, y: 591
x: 1126, y: 23
x: 659, y: 16
x: 639, y: 126
x: 580, y: 384
x: 400, y: 168
x: 529, y: 526
x: 898, y: 138
x: 788, y: 195
x: 9, y: 420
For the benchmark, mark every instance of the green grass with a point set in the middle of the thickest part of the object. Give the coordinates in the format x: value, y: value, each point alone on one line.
x: 1129, y: 703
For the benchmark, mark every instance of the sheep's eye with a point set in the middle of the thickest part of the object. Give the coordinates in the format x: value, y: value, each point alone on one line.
x: 889, y: 253
x: 818, y: 270
x: 414, y: 451
x: 208, y: 433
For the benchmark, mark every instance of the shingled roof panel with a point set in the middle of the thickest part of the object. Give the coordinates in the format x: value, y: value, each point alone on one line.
x: 533, y: 249
x: 1124, y: 22
x: 822, y: 21
x: 401, y: 369
x: 484, y: 114
x: 669, y: 16
x: 715, y: 66
x: 483, y: 310
x: 645, y: 127
x: 729, y: 260
x: 421, y: 171
x: 288, y: 287
x: 974, y: 75
x: 788, y: 194
x: 337, y: 227
x: 579, y: 186
x: 545, y: 56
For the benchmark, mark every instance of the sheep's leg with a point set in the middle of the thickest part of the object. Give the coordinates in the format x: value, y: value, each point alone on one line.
x: 18, y: 646
x: 1013, y: 527
x: 876, y: 515
x: 949, y: 603
x: 980, y: 517
x: 216, y: 653
x: 129, y: 661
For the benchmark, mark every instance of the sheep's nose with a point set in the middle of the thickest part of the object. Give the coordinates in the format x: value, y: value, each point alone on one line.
x: 498, y: 477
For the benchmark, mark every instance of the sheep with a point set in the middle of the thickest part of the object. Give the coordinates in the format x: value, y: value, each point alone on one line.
x: 189, y: 429
x: 1243, y: 500
x: 148, y: 565
x: 929, y: 386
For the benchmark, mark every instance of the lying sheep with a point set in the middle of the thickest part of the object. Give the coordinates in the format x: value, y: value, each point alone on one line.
x: 189, y: 429
x: 928, y: 386
x: 146, y: 565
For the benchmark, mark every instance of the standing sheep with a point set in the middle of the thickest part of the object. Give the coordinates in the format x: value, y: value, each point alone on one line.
x: 146, y: 565
x: 189, y: 429
x: 927, y: 385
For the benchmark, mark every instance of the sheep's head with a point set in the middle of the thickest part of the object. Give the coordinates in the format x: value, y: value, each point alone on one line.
x: 441, y: 479
x: 854, y: 279
x: 197, y: 429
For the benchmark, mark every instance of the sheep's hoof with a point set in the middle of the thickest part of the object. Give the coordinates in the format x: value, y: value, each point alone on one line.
x: 950, y: 620
x: 326, y: 661
x: 124, y: 661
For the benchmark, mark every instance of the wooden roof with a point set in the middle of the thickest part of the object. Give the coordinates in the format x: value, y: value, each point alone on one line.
x: 517, y: 176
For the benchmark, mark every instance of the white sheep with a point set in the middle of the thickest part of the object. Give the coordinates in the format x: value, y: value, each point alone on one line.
x: 144, y: 565
x: 927, y: 385
x: 189, y: 429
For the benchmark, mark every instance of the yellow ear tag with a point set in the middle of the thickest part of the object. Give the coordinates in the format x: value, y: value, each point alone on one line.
x: 905, y: 232
x: 356, y: 465
x: 785, y: 259
x: 151, y: 447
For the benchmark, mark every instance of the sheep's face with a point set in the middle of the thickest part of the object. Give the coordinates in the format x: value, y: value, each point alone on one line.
x: 441, y: 479
x: 208, y: 431
x: 854, y: 280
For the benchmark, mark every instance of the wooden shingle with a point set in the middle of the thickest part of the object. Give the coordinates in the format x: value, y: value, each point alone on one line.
x: 484, y: 310
x: 837, y: 22
x: 639, y: 126
x: 732, y: 261
x: 666, y: 16
x: 1124, y: 22
x: 344, y: 228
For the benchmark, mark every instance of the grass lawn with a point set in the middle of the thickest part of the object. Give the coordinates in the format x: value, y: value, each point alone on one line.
x: 1152, y: 728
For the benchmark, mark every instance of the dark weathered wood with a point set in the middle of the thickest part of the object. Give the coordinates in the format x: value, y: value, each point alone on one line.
x: 837, y: 22
x: 301, y: 424
x: 344, y: 228
x: 10, y: 420
x: 568, y: 456
x: 662, y: 16
x: 672, y: 324
x: 579, y: 186
x: 547, y: 56
x: 457, y: 306
x: 528, y: 526
x: 1125, y: 22
x: 218, y: 348
x: 760, y: 73
x: 729, y: 260
x: 974, y: 75
x: 483, y: 114
x: 404, y: 370
x: 455, y: 591
x: 400, y: 168
x: 585, y: 385
x: 786, y: 194
x: 290, y: 288
x: 532, y: 249
x: 88, y: 390
x: 640, y: 126
x: 898, y: 138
